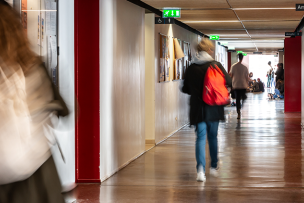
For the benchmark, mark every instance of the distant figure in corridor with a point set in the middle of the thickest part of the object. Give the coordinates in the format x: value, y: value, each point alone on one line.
x: 280, y: 72
x: 261, y: 85
x: 240, y: 78
x: 204, y: 117
x: 279, y: 91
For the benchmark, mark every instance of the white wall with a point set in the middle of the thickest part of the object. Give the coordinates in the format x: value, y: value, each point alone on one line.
x: 122, y: 85
x: 66, y: 127
x: 171, y: 105
x: 221, y: 55
x: 234, y: 58
x: 149, y: 78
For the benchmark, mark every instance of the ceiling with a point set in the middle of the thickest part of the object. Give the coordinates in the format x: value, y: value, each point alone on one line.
x: 255, y: 25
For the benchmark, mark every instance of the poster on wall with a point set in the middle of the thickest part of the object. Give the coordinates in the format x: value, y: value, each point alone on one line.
x: 164, y: 59
x: 187, y: 58
x: 178, y: 62
x: 51, y: 17
x: 52, y: 58
x: 42, y: 31
x: 24, y: 15
x: 38, y: 41
x: 178, y: 69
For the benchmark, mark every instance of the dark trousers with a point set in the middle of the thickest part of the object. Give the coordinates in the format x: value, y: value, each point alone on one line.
x: 239, y: 94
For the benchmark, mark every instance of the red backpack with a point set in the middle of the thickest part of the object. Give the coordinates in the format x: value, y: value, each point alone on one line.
x: 214, y: 90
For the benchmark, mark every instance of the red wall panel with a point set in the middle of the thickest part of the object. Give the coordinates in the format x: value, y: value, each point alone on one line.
x: 87, y: 90
x: 229, y: 61
x: 292, y: 77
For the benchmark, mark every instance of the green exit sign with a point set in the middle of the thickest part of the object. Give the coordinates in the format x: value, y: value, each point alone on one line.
x: 244, y: 54
x: 171, y: 13
x: 214, y: 37
x: 239, y: 52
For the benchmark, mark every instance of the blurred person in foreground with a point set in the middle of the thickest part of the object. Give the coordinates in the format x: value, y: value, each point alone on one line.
x: 240, y: 78
x: 205, y: 117
x: 28, y: 100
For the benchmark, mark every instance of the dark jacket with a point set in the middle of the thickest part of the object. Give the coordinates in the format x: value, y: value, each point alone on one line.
x: 280, y: 74
x: 256, y: 87
x: 193, y: 85
x: 261, y: 86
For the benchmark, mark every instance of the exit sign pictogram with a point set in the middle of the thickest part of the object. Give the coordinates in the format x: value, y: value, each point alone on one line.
x: 214, y: 37
x: 171, y: 13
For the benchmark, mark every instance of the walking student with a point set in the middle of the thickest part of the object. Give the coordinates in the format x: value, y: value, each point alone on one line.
x: 240, y: 77
x: 28, y: 102
x: 204, y: 117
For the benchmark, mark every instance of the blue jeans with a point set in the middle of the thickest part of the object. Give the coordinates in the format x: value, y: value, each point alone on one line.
x: 203, y: 128
x: 277, y: 94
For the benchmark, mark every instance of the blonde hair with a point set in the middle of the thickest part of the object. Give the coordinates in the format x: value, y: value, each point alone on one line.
x: 205, y: 45
x: 14, y: 45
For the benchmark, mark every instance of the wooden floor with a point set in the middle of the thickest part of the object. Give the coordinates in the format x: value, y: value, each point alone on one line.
x: 260, y: 161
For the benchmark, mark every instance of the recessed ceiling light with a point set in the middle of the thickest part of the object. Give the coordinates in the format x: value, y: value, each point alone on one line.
x: 262, y: 8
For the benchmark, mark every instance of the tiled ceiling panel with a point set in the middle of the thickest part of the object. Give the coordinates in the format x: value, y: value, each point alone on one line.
x: 187, y: 3
x: 268, y: 33
x: 261, y: 18
x: 208, y: 15
x: 264, y: 3
x: 285, y: 25
x: 217, y: 25
x: 225, y: 32
x: 269, y: 14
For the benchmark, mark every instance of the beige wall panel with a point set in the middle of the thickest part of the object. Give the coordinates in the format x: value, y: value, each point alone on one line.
x: 207, y: 15
x: 122, y: 84
x: 263, y: 3
x: 170, y: 102
x: 272, y: 25
x: 187, y: 3
x: 269, y: 14
x: 149, y: 78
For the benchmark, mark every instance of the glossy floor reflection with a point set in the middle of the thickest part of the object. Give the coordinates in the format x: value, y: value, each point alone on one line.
x: 260, y: 160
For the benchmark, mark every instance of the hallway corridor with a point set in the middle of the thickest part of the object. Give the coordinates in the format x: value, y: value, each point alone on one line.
x: 260, y: 161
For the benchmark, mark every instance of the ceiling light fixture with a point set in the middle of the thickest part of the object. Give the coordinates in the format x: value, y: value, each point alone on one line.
x: 289, y: 8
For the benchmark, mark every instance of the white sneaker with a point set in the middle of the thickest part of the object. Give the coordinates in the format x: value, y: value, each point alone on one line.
x: 214, y: 171
x: 201, y: 177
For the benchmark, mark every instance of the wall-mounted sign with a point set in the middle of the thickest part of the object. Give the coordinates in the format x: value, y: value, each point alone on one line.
x: 214, y: 37
x: 293, y: 34
x: 159, y: 20
x: 239, y: 52
x: 299, y: 7
x: 171, y: 13
x: 257, y: 52
x: 244, y: 54
x: 224, y: 43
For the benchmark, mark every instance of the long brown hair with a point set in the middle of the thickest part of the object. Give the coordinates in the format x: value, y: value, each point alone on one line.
x: 14, y: 45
